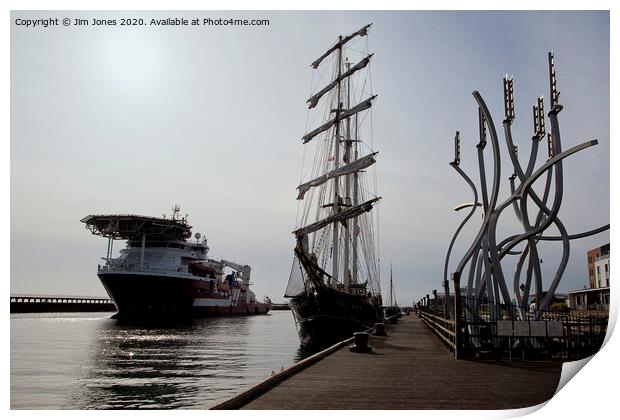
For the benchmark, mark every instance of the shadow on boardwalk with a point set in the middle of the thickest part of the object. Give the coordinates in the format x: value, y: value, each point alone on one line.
x: 411, y: 369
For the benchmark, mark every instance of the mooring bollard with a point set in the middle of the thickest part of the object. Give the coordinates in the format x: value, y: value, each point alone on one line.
x: 361, y: 343
x: 380, y: 329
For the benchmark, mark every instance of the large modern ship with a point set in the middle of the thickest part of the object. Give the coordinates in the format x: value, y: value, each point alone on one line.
x: 165, y: 273
x: 334, y: 286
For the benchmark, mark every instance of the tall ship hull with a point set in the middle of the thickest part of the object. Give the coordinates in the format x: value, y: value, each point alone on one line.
x: 334, y: 286
x: 161, y: 275
x: 331, y: 316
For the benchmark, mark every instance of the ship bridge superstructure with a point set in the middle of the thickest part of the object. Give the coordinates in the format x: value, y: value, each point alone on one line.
x: 154, y: 244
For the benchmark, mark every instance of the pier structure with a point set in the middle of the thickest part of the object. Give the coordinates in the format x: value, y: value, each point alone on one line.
x: 26, y: 303
x: 408, y: 369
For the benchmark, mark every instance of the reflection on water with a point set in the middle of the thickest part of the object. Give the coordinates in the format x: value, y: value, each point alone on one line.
x: 131, y: 365
x: 92, y: 361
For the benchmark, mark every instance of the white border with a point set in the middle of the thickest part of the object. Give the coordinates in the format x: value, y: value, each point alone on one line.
x: 590, y: 395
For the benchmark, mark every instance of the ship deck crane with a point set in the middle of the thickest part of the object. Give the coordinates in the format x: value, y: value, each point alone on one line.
x: 243, y: 270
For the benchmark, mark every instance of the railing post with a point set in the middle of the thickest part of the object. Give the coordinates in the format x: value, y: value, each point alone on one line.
x: 456, y: 278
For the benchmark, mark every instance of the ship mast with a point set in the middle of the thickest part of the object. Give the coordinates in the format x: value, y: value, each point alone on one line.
x: 348, y: 209
x: 392, y: 294
x: 336, y: 206
x: 355, y: 203
x: 347, y: 159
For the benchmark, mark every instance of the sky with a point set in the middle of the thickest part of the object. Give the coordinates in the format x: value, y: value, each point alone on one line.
x: 135, y: 120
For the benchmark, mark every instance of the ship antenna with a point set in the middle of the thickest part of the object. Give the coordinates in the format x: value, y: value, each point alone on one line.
x: 175, y: 211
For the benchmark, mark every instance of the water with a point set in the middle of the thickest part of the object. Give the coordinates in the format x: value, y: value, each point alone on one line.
x: 89, y: 361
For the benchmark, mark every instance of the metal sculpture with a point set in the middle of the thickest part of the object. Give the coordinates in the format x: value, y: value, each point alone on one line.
x: 486, y: 277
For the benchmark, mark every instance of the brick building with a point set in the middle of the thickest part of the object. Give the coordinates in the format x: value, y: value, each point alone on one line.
x: 596, y: 295
x: 594, y: 255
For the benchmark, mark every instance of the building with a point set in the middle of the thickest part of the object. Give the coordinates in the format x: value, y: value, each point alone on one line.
x: 601, y: 270
x: 593, y: 256
x: 596, y: 295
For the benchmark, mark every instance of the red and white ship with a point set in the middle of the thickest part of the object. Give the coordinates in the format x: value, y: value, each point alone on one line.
x: 163, y: 273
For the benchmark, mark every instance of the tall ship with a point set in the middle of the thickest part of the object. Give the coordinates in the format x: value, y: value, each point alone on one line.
x: 334, y: 285
x: 392, y: 308
x: 163, y: 273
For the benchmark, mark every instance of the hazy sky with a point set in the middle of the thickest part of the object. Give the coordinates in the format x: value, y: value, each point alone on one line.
x: 135, y: 120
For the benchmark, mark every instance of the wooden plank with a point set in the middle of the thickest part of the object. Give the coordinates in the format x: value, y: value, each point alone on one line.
x: 411, y: 369
x: 261, y: 387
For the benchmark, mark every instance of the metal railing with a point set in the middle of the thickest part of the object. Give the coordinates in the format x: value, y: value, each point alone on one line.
x: 444, y: 328
x: 142, y: 269
x: 486, y: 329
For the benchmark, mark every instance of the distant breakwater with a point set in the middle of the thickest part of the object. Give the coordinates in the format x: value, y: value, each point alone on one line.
x: 32, y: 303
x: 49, y: 303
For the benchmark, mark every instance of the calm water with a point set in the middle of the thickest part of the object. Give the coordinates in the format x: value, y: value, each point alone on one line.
x: 87, y: 360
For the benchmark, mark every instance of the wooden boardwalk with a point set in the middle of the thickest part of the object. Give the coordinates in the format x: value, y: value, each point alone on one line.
x: 411, y: 369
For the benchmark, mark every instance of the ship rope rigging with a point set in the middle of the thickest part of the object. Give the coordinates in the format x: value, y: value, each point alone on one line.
x: 335, y: 227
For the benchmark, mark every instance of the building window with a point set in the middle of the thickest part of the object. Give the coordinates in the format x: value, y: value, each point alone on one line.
x: 606, y: 268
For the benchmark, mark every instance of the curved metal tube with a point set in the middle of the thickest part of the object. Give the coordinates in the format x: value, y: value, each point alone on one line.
x: 519, y: 238
x: 563, y: 263
x: 534, y: 264
x: 521, y: 212
x: 515, y: 203
x: 492, y: 230
x: 554, y: 238
x: 513, y: 156
x: 480, y: 284
x: 484, y: 255
x: 531, y: 231
x: 458, y: 230
x: 517, y: 275
x: 514, y: 191
x: 465, y: 205
x: 576, y: 235
x: 471, y: 286
x: 495, y: 185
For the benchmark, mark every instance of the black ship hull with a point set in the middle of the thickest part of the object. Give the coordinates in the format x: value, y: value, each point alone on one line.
x: 329, y: 316
x: 162, y: 298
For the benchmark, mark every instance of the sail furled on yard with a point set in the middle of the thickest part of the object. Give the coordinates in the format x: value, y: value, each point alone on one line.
x: 349, y: 168
x: 362, y: 106
x: 340, y: 44
x: 314, y: 99
x: 338, y: 217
